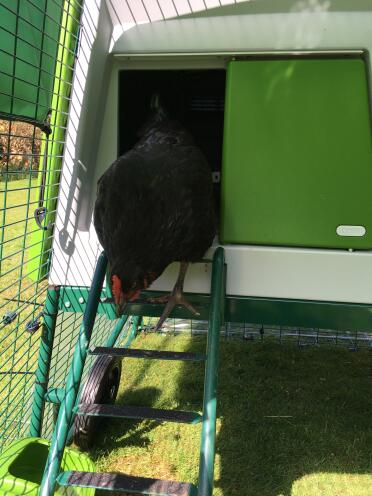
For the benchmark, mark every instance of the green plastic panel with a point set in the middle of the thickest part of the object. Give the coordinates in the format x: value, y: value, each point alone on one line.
x: 29, y: 35
x: 297, y: 159
x: 22, y: 464
x: 41, y: 241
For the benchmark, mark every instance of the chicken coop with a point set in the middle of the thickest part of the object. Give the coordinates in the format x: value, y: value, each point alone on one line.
x: 277, y: 95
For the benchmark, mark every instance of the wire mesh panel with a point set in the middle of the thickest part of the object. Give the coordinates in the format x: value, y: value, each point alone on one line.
x: 67, y: 329
x: 352, y: 339
x: 38, y: 41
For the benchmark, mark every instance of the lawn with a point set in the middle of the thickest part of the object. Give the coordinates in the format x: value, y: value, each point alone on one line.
x: 291, y: 422
x: 18, y: 200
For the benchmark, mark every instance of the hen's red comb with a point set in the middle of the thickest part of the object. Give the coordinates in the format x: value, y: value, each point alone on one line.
x: 116, y: 288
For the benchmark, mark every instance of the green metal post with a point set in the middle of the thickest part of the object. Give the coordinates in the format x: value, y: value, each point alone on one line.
x: 116, y: 331
x: 61, y: 429
x: 45, y: 355
x: 216, y: 319
x: 55, y: 395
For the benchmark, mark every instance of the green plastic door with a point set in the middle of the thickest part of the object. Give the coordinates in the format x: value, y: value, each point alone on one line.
x: 297, y: 159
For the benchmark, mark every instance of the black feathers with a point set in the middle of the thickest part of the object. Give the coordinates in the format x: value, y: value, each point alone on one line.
x: 155, y: 204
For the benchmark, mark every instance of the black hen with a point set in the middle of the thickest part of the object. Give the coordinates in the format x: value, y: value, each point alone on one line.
x: 155, y: 206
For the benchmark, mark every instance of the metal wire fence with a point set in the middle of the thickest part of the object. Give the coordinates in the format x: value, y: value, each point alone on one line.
x: 353, y: 339
x: 37, y: 50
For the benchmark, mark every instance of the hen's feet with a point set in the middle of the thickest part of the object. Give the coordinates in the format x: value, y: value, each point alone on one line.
x: 175, y: 298
x: 171, y: 300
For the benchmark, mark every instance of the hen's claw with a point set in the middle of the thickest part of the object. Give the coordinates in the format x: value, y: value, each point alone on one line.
x: 173, y: 299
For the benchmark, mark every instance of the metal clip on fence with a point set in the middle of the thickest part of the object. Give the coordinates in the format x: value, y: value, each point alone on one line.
x: 41, y: 211
x: 9, y: 317
x: 40, y: 214
x: 34, y: 324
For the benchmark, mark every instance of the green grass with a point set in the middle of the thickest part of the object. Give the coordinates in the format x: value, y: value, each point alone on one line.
x: 291, y: 422
x: 17, y: 226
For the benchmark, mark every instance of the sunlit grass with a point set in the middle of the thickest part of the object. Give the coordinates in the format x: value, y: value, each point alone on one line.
x: 325, y: 484
x: 17, y: 203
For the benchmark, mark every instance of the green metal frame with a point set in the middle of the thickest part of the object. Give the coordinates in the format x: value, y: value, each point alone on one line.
x: 38, y: 41
x: 267, y: 311
x: 45, y: 355
x: 216, y: 320
x: 73, y: 299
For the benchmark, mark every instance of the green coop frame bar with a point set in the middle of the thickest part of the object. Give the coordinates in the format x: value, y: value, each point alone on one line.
x: 41, y: 241
x: 255, y: 310
x: 216, y: 320
x: 45, y: 355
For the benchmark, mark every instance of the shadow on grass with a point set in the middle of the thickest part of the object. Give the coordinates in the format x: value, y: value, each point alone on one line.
x: 116, y: 432
x: 285, y: 413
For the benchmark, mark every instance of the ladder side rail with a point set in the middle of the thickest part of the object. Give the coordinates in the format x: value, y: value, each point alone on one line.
x: 216, y: 320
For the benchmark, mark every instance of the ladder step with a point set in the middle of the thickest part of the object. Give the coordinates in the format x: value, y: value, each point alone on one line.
x: 154, y: 354
x: 126, y: 483
x: 138, y: 412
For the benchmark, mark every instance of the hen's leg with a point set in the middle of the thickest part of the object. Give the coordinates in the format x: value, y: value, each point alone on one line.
x: 175, y: 298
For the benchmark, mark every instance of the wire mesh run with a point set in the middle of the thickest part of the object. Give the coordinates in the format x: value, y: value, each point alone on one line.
x: 300, y: 336
x: 37, y: 50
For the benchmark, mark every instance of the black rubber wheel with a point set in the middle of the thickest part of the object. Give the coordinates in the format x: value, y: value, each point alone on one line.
x: 101, y: 387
